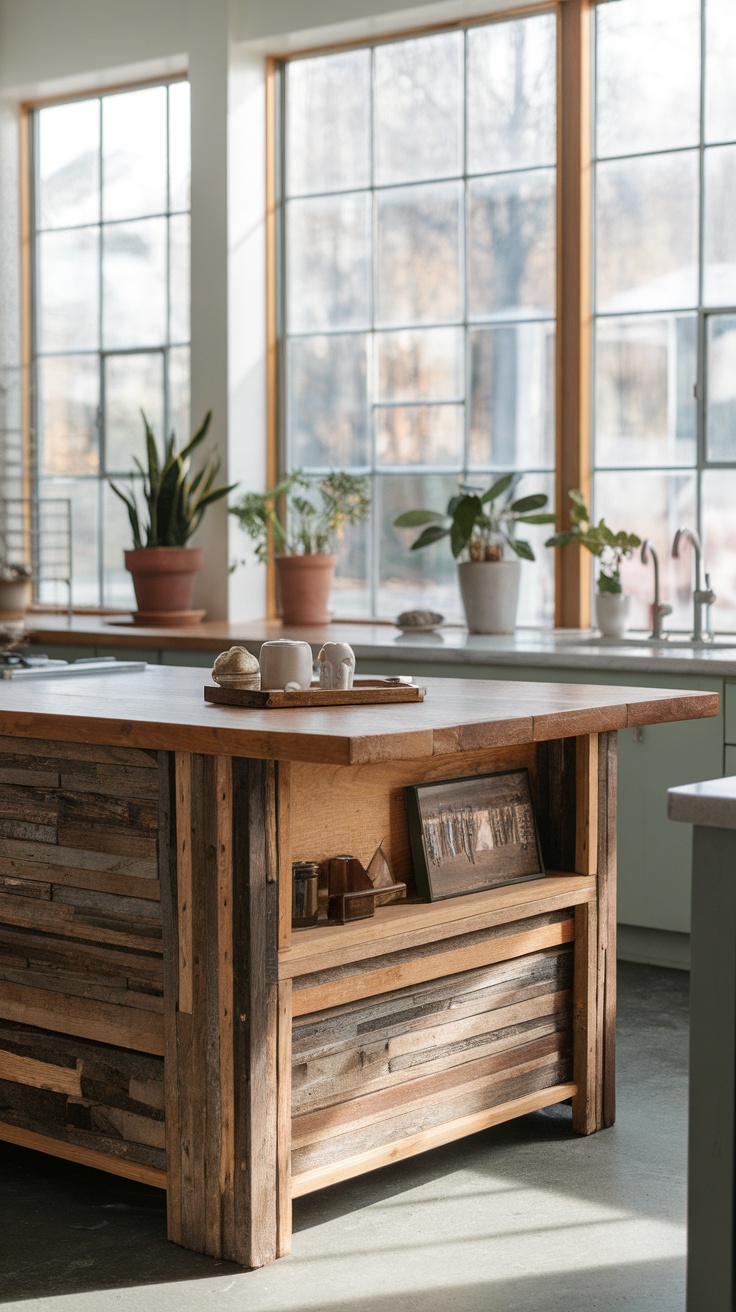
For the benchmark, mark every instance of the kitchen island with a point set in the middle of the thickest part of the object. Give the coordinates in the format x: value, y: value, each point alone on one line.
x: 157, y: 1016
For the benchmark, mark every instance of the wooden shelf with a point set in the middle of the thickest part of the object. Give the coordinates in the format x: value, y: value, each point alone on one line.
x: 406, y: 925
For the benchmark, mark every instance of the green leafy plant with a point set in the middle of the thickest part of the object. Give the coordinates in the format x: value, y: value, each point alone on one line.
x: 610, y: 548
x: 480, y: 524
x: 302, y: 516
x: 175, y: 501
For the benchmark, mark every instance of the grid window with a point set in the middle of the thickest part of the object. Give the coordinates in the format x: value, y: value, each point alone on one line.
x: 417, y: 268
x: 110, y: 274
x: 665, y: 289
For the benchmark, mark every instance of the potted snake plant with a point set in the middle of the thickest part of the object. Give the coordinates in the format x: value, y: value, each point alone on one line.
x: 481, y: 526
x: 164, y: 567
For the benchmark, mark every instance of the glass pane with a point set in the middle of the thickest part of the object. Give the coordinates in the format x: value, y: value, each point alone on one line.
x: 419, y: 252
x: 511, y: 231
x: 721, y: 387
x: 134, y: 153
x: 420, y: 365
x: 328, y: 401
x: 134, y: 284
x: 512, y: 417
x: 420, y: 435
x: 67, y: 400
x: 84, y: 496
x: 328, y: 125
x: 719, y: 543
x: 418, y: 107
x: 647, y: 75
x: 646, y: 368
x: 720, y: 61
x: 132, y: 383
x: 179, y: 278
x: 67, y: 290
x: 512, y: 94
x: 719, y: 236
x: 117, y: 585
x: 179, y: 146
x: 537, y: 592
x: 328, y: 263
x: 654, y: 505
x: 68, y: 164
x: 647, y: 236
x: 179, y: 418
x: 410, y: 579
x: 351, y: 594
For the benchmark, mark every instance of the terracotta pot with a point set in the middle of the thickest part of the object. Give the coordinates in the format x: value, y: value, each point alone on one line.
x: 163, y: 579
x: 305, y: 583
x: 15, y: 598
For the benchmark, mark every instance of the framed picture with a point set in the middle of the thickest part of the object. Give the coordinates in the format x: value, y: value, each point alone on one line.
x: 471, y: 834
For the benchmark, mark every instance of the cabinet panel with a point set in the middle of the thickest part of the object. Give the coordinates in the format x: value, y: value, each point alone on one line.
x: 729, y: 764
x: 729, y: 697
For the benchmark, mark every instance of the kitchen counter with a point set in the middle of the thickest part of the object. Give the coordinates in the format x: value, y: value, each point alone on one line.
x: 565, y: 648
x: 157, y: 1018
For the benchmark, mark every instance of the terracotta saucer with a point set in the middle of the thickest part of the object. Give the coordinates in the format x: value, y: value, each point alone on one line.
x: 161, y: 619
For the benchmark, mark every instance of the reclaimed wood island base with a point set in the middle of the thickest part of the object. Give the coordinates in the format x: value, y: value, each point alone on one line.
x: 158, y: 1020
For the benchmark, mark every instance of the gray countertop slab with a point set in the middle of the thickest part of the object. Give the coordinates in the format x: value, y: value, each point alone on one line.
x: 451, y: 645
x: 712, y: 803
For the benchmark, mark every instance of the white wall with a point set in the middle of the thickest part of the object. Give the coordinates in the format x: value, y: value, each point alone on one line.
x: 49, y: 47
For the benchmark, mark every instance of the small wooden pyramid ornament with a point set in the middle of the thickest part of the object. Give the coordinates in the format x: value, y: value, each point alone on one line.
x: 381, y: 875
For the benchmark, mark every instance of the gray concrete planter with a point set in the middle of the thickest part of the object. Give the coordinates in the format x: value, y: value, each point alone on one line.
x: 490, y: 593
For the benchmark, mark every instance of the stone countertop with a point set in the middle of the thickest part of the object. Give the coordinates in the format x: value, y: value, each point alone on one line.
x: 452, y: 645
x: 712, y: 803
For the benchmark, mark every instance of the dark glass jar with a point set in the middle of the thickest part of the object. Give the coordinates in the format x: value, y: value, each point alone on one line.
x: 304, y: 894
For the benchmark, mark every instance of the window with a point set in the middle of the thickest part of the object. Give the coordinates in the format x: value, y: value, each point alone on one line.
x: 417, y: 286
x: 665, y: 288
x: 110, y: 323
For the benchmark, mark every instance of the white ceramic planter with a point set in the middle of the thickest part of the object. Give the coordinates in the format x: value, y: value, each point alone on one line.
x: 612, y: 613
x: 490, y: 593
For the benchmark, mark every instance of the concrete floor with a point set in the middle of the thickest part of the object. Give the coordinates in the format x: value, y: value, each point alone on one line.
x: 525, y: 1216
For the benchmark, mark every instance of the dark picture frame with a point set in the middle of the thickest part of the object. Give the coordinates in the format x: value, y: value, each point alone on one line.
x: 468, y: 835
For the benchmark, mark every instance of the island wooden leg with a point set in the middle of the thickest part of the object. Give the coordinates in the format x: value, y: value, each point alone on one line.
x: 219, y: 894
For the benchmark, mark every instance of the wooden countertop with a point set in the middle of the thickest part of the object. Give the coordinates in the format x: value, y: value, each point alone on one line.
x: 164, y: 708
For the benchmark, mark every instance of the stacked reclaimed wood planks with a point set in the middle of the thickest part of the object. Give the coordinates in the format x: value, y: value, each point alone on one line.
x: 81, y: 977
x: 381, y: 1070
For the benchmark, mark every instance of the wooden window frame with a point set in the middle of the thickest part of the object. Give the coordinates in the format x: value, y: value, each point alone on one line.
x: 573, y: 253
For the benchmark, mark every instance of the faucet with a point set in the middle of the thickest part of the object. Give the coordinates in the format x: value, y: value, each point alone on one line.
x: 701, y: 596
x: 659, y: 609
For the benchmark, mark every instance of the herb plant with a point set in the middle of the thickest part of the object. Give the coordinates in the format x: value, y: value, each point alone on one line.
x: 610, y: 548
x: 175, y: 501
x: 480, y: 524
x: 302, y: 516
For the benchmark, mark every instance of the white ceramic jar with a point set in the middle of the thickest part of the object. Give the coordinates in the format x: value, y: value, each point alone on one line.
x: 285, y: 661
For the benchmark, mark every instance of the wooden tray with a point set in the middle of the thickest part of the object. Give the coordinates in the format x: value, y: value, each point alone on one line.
x: 366, y: 694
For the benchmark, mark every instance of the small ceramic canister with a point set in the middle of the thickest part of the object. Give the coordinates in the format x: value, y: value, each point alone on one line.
x: 285, y: 661
x: 336, y: 666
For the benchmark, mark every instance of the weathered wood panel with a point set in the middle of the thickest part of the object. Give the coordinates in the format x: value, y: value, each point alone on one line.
x: 385, y: 972
x: 81, y: 954
x: 218, y: 835
x: 82, y: 1093
x: 370, y: 1073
